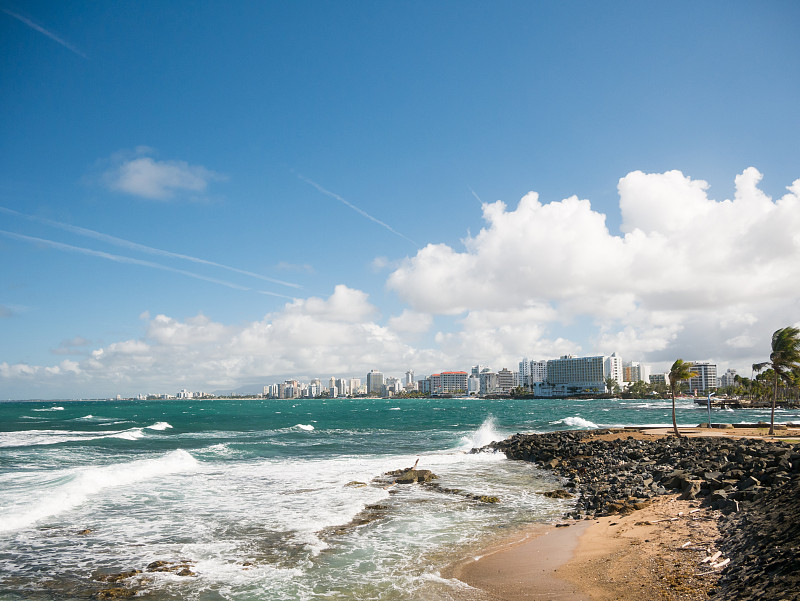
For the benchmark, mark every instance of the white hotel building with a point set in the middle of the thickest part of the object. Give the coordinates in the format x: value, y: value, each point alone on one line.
x: 706, y: 378
x: 577, y: 375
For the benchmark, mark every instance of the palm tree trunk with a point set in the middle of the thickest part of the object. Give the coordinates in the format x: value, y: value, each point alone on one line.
x: 774, y: 399
x: 674, y: 421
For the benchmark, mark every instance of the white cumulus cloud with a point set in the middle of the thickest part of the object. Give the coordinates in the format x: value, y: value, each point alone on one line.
x: 147, y: 177
x: 337, y: 335
x: 685, y: 266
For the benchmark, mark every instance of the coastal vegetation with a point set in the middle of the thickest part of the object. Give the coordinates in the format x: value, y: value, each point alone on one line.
x: 784, y: 360
x: 679, y: 371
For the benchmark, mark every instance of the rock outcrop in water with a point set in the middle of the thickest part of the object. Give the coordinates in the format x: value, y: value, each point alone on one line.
x: 755, y: 484
x: 126, y: 587
x: 411, y: 475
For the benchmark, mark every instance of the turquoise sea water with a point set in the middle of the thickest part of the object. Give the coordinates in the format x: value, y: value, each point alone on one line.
x: 258, y: 494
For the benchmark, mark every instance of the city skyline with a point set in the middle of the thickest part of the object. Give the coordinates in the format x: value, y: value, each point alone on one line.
x: 274, y: 190
x: 531, y: 376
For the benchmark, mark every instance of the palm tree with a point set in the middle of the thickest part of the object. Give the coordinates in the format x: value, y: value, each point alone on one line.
x: 784, y: 359
x: 680, y: 371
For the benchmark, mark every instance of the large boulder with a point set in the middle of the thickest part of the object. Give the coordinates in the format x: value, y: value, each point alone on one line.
x: 411, y: 475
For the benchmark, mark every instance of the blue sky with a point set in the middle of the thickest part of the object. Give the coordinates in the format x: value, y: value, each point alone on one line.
x: 217, y: 196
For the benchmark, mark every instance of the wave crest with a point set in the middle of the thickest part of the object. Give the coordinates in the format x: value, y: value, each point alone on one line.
x: 160, y: 426
x: 83, y: 483
x: 576, y: 422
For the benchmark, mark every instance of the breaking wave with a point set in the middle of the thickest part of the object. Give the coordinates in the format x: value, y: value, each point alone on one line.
x: 575, y: 422
x: 78, y: 485
x: 160, y: 426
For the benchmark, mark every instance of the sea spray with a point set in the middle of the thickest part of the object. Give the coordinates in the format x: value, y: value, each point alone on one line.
x: 486, y: 433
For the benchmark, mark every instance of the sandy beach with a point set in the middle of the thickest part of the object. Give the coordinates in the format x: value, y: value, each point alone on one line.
x: 660, y: 552
x: 641, y: 556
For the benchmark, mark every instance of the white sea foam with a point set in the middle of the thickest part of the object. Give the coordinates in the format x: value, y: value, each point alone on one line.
x: 160, y: 426
x: 32, y: 438
x: 575, y: 422
x: 451, y: 582
x: 220, y: 450
x: 485, y: 434
x: 74, y: 487
x: 132, y: 434
x: 49, y: 409
x: 306, y: 427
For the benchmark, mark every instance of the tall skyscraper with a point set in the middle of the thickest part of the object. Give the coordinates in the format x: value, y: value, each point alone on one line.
x: 525, y: 373
x: 374, y: 382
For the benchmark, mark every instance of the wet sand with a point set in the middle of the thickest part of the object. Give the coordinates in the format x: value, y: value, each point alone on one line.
x: 526, y: 569
x: 653, y: 553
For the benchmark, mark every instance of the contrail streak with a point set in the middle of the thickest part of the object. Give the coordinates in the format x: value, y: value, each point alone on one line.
x: 82, y: 231
x: 355, y: 208
x: 42, y: 30
x: 129, y: 260
x: 475, y: 195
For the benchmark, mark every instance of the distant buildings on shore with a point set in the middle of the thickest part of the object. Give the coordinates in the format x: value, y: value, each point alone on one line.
x: 567, y: 375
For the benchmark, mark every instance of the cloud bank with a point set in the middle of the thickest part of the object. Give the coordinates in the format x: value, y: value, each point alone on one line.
x: 306, y: 338
x: 687, y: 276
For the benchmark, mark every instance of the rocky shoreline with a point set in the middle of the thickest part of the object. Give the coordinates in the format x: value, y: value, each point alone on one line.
x: 753, y: 484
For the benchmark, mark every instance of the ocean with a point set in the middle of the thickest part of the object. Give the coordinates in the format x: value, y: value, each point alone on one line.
x: 274, y: 499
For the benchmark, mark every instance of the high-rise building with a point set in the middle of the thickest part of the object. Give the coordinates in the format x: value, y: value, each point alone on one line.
x: 391, y: 385
x: 706, y: 378
x: 577, y: 374
x: 409, y: 378
x: 525, y: 373
x: 454, y: 382
x: 424, y: 385
x: 657, y: 379
x: 633, y: 371
x: 374, y: 382
x: 505, y: 380
x: 728, y: 378
x: 613, y: 368
x: 488, y: 382
x: 291, y: 389
x: 538, y: 371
